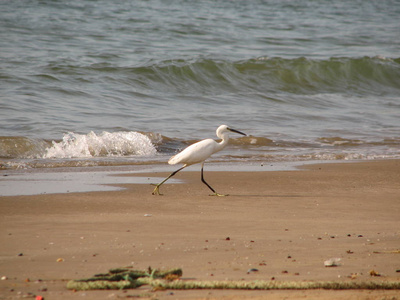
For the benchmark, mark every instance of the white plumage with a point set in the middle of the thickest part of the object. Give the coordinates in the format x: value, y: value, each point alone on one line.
x: 198, y: 153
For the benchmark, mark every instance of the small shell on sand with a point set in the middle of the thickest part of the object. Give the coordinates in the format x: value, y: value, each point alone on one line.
x: 332, y: 262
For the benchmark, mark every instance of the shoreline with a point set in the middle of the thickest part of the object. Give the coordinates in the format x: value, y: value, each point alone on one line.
x: 283, y: 223
x: 40, y: 181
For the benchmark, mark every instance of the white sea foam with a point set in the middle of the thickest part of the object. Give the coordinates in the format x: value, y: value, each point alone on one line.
x: 75, y: 145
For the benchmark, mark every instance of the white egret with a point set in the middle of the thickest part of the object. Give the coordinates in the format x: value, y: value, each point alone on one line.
x: 198, y: 153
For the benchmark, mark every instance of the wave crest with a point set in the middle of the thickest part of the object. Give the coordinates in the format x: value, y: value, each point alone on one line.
x: 75, y: 145
x: 272, y: 74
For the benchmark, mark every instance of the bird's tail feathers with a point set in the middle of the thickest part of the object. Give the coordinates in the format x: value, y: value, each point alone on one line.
x: 172, y: 160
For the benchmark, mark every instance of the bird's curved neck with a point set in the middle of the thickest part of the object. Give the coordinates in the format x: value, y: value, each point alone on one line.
x: 223, y: 143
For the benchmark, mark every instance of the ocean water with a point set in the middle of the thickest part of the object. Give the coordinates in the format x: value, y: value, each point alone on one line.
x: 105, y: 83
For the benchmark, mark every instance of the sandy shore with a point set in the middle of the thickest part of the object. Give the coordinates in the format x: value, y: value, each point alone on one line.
x: 284, y: 223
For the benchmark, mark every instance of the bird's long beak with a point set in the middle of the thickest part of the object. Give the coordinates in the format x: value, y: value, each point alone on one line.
x: 237, y: 131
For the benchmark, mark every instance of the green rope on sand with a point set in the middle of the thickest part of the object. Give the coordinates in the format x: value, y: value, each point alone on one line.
x: 274, y: 285
x: 128, y: 279
x: 122, y: 278
x: 101, y: 285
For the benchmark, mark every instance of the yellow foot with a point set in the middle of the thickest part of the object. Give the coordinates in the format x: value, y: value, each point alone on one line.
x: 219, y: 195
x: 156, y: 190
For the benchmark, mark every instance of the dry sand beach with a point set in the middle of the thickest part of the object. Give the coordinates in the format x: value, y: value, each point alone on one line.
x: 285, y: 224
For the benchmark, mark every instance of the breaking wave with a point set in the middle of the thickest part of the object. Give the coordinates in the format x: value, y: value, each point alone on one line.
x: 75, y: 145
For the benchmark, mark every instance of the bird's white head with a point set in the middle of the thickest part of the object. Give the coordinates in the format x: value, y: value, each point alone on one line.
x: 224, y: 129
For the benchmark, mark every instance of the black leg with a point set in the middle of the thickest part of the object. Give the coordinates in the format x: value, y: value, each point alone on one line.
x: 156, y: 189
x: 202, y: 179
x: 209, y: 186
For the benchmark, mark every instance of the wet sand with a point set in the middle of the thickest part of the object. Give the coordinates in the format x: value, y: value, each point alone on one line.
x: 283, y: 223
